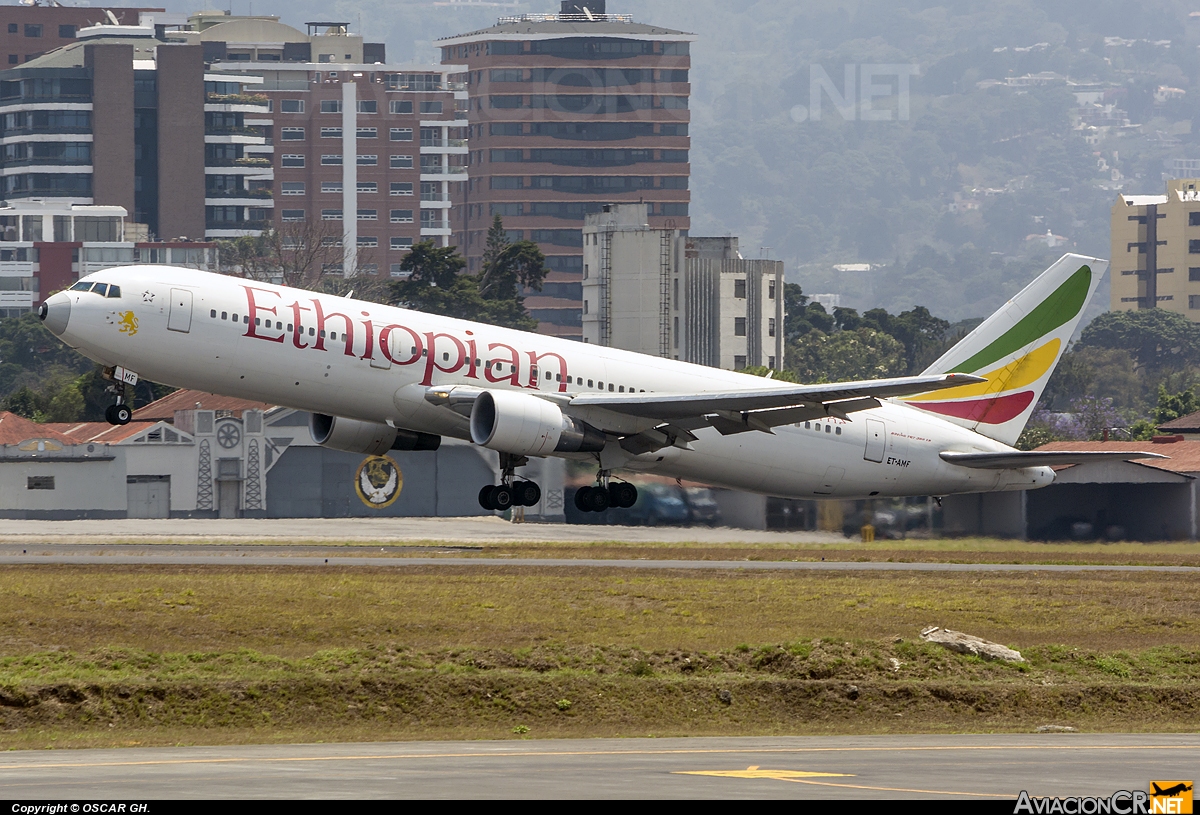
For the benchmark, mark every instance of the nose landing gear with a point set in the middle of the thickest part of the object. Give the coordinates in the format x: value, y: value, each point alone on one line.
x: 118, y: 413
x: 605, y: 494
x: 511, y: 491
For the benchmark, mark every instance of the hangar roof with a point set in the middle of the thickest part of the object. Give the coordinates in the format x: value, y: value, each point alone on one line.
x: 1184, y: 455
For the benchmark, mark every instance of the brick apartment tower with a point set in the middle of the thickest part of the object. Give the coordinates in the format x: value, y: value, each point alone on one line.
x: 570, y: 112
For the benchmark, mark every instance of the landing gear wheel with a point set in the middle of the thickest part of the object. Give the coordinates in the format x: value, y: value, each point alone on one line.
x: 581, y: 499
x: 622, y: 494
x: 108, y: 414
x: 526, y: 493
x: 501, y: 497
x: 597, y: 499
x: 122, y: 414
x: 485, y: 497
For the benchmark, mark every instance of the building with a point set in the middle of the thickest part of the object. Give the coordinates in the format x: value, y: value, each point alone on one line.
x: 659, y: 291
x: 48, y: 244
x: 333, y: 96
x: 31, y: 29
x: 120, y: 117
x: 569, y: 112
x: 1156, y: 250
x: 1146, y: 500
x: 197, y: 455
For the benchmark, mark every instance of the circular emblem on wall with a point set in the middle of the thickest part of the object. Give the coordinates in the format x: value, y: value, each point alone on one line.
x: 378, y: 481
x: 229, y: 435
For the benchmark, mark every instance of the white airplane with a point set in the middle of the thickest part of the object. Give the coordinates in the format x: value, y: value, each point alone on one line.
x: 379, y: 378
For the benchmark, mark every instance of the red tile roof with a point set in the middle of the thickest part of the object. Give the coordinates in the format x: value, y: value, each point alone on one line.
x: 1184, y: 455
x: 101, y: 432
x: 15, y: 429
x: 164, y: 409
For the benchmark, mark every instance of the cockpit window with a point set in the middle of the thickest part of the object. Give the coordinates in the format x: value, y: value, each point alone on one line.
x: 100, y: 289
x: 82, y: 286
x: 114, y: 291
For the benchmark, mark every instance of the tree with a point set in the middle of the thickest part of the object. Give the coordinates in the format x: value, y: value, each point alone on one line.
x: 294, y: 253
x: 864, y: 353
x: 1172, y: 406
x: 508, y: 267
x: 763, y: 370
x: 1156, y: 338
x: 922, y: 334
x: 435, y: 286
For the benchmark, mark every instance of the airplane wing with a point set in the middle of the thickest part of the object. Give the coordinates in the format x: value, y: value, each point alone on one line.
x: 760, y: 401
x: 1009, y: 460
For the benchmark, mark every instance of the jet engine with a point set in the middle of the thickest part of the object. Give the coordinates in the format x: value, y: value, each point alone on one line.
x: 525, y: 425
x: 371, y: 438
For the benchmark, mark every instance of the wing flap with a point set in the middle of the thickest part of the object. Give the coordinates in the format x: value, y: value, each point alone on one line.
x: 1016, y: 459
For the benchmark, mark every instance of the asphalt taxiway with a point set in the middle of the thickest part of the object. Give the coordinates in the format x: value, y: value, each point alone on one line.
x: 838, y: 767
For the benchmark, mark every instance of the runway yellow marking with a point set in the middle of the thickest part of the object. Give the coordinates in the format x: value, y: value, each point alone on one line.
x: 551, y: 753
x: 801, y: 777
x: 755, y: 772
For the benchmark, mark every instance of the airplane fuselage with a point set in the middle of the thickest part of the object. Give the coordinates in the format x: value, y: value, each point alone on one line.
x: 375, y: 363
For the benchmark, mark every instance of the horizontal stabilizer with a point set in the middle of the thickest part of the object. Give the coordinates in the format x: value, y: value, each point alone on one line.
x: 1016, y: 459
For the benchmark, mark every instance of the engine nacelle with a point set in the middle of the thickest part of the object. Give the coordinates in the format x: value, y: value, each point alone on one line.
x: 525, y: 425
x: 370, y: 438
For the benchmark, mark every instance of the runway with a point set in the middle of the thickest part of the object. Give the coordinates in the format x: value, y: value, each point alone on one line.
x: 838, y: 767
x: 361, y: 556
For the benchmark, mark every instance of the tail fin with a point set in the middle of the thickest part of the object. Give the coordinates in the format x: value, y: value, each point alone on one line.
x: 1016, y: 350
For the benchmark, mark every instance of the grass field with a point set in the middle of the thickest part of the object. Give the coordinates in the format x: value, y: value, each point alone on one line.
x: 151, y: 655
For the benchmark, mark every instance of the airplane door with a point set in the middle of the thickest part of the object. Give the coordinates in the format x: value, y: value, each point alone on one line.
x: 876, y: 439
x: 383, y: 360
x: 180, y: 318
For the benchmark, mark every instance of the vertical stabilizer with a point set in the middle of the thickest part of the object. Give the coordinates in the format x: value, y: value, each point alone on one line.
x: 1016, y: 350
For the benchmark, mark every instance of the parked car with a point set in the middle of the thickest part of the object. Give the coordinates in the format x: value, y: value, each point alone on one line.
x: 702, y: 506
x: 656, y: 504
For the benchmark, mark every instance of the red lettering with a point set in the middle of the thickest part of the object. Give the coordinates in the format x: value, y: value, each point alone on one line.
x: 431, y: 362
x: 514, y: 362
x: 369, y: 351
x: 472, y: 359
x: 254, y: 308
x: 322, y: 317
x: 386, y: 347
x: 535, y: 369
x: 299, y: 329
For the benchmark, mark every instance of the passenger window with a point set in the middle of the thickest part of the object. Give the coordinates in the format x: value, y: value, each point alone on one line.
x: 610, y: 387
x: 235, y: 318
x: 289, y: 326
x: 838, y: 432
x: 224, y: 315
x: 81, y: 287
x: 590, y: 385
x: 333, y: 335
x: 311, y: 331
x: 246, y: 319
x: 100, y: 288
x: 114, y: 291
x: 547, y: 374
x: 558, y: 378
x: 808, y: 425
x: 622, y: 389
x: 828, y: 428
x: 213, y: 314
x: 600, y: 385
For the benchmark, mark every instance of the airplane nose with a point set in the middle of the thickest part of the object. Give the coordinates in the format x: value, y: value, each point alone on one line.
x: 55, y: 313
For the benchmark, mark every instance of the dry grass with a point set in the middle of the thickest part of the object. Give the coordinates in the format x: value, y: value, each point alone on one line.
x: 154, y: 655
x: 294, y: 611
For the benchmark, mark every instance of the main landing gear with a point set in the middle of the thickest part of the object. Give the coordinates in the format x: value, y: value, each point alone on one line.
x: 511, y: 491
x: 605, y: 494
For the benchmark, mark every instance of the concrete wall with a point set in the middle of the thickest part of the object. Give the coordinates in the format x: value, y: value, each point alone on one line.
x: 177, y: 461
x: 86, y: 485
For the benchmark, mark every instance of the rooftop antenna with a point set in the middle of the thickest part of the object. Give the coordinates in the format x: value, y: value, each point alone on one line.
x: 588, y: 14
x: 112, y: 18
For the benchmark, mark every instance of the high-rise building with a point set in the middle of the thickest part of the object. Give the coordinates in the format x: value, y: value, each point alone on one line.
x: 45, y: 246
x: 363, y: 149
x: 1156, y: 250
x: 658, y: 291
x: 28, y: 30
x: 569, y: 112
x: 122, y: 118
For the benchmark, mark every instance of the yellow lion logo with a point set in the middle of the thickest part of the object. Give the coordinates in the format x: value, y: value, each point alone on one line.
x: 128, y: 323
